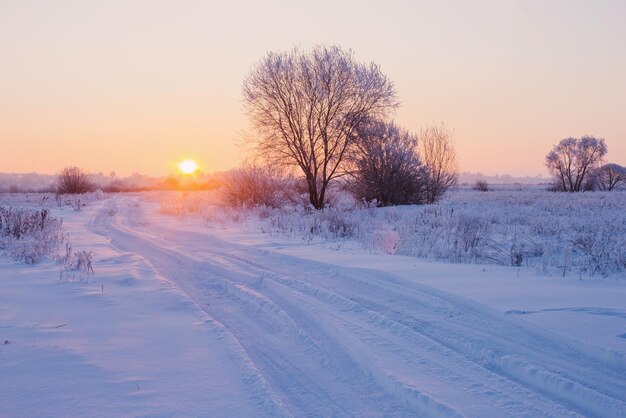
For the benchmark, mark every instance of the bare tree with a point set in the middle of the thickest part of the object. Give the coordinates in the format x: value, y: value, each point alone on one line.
x: 610, y: 177
x: 254, y: 185
x: 306, y: 107
x: 386, y: 167
x: 73, y: 180
x: 439, y: 158
x: 573, y: 159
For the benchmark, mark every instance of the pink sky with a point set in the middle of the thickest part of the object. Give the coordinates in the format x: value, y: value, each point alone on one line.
x: 136, y: 86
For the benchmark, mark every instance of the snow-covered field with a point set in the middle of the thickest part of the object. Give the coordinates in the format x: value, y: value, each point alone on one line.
x: 210, y: 316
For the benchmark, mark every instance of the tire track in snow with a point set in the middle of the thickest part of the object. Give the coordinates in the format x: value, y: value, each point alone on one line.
x: 438, y: 323
x: 582, y: 396
x: 205, y: 282
x: 589, y: 396
x: 585, y: 396
x: 260, y: 392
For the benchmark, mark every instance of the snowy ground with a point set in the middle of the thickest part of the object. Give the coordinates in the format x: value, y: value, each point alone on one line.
x: 183, y: 320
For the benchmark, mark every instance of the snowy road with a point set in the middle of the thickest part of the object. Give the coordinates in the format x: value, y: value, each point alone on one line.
x: 316, y: 339
x: 193, y: 325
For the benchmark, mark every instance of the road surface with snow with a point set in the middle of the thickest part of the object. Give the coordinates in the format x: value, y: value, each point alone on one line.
x: 179, y: 322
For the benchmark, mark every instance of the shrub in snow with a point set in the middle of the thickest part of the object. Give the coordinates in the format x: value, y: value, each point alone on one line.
x: 598, y: 251
x: 481, y: 186
x: 75, y: 262
x: 29, y: 235
x: 469, y: 234
x: 255, y: 185
x: 82, y: 261
x: 73, y: 180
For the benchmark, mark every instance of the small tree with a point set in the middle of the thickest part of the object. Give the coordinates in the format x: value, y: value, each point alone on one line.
x: 481, y: 186
x: 306, y: 108
x: 439, y: 158
x: 73, y: 180
x: 610, y: 177
x: 387, y: 168
x: 572, y: 160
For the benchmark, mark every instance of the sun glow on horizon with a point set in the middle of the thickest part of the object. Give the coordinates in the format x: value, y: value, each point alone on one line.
x: 188, y: 166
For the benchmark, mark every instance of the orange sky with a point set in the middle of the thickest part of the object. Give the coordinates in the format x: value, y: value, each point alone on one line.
x: 136, y: 86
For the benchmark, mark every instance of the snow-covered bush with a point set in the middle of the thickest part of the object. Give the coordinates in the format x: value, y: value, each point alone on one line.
x: 79, y: 261
x: 29, y: 235
x: 75, y: 264
x: 74, y: 180
x: 481, y: 186
x: 256, y: 185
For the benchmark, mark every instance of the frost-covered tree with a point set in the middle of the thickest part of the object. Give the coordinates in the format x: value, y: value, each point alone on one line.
x: 306, y: 107
x: 437, y: 153
x: 572, y: 160
x: 386, y: 166
x: 610, y: 177
x: 73, y: 180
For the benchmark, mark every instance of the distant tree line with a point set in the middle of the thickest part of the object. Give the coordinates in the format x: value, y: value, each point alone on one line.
x: 75, y: 180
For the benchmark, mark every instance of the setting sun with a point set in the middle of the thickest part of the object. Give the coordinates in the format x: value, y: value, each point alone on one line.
x: 187, y: 166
